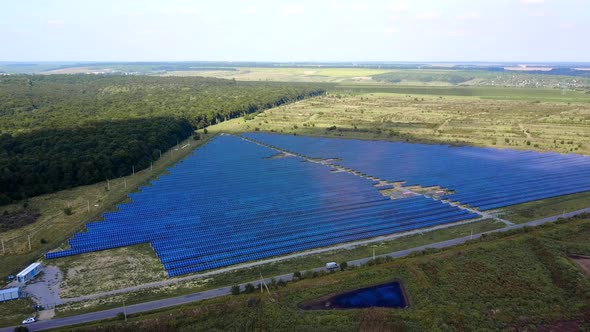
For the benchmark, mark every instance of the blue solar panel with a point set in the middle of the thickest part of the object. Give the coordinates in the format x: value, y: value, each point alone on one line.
x: 486, y: 178
x: 231, y: 201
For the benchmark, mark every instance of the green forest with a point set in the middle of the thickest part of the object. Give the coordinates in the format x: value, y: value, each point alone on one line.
x: 61, y: 131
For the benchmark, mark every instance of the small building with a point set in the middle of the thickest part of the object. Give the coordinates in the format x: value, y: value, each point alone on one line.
x: 28, y: 273
x: 9, y: 294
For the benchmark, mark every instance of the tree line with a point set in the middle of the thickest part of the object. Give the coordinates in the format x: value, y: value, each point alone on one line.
x: 62, y: 131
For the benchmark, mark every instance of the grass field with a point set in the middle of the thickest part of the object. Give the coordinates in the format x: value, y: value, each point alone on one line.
x: 14, y: 312
x: 546, y: 207
x: 87, y: 203
x: 541, y: 126
x: 289, y: 74
x: 392, y: 78
x: 518, y: 281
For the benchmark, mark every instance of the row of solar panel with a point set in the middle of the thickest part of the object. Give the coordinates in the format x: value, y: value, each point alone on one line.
x: 290, y: 249
x: 424, y: 206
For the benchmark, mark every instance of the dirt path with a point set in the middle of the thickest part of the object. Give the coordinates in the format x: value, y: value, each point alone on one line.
x: 442, y: 125
x: 524, y: 131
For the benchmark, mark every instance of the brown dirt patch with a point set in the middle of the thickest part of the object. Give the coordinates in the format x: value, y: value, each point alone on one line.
x: 583, y: 262
x: 17, y: 219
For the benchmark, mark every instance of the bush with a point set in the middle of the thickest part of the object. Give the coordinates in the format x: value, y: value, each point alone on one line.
x: 308, y: 274
x: 297, y: 275
x: 249, y: 288
x: 235, y: 290
x: 43, y: 241
x: 68, y: 211
x: 343, y: 266
x: 21, y: 329
x: 121, y: 316
x: 281, y: 283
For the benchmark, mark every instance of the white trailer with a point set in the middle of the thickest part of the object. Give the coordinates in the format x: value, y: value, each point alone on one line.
x: 9, y: 294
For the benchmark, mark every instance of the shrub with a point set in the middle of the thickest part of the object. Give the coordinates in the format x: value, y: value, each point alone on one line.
x: 68, y: 211
x: 308, y: 274
x: 235, y: 290
x: 297, y: 275
x: 281, y: 283
x: 249, y: 288
x: 21, y: 329
x: 343, y: 266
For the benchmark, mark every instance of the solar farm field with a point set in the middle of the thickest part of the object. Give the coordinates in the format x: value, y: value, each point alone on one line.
x: 238, y: 199
x: 485, y: 178
x: 234, y: 201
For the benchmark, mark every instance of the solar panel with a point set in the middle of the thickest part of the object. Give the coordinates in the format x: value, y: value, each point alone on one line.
x: 233, y: 201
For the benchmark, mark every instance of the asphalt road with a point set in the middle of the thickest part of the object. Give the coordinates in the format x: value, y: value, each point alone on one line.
x: 147, y: 306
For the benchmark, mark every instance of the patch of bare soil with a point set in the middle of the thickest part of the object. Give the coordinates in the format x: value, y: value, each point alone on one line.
x: 17, y: 219
x: 583, y: 262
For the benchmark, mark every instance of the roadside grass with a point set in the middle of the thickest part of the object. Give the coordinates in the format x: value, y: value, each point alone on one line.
x: 15, y: 311
x: 521, y: 280
x: 54, y: 226
x: 545, y: 208
x: 267, y: 270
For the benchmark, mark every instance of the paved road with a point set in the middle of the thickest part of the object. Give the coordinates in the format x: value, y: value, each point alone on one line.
x: 147, y: 306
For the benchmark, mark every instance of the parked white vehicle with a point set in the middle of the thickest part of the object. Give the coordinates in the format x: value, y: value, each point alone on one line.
x: 29, y: 320
x: 332, y: 266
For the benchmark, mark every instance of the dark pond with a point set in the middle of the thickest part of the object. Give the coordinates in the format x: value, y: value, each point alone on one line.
x: 390, y: 295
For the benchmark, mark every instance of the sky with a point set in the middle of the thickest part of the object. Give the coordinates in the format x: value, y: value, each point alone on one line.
x: 302, y: 30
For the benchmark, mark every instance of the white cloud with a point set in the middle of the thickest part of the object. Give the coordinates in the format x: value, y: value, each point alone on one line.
x: 567, y: 26
x: 469, y: 16
x: 538, y: 13
x: 389, y: 31
x: 359, y: 5
x: 293, y: 11
x: 55, y: 23
x: 399, y: 6
x: 428, y: 15
x: 251, y: 10
x: 459, y: 33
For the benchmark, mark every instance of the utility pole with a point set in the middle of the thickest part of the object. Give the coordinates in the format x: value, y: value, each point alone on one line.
x: 125, y: 181
x: 87, y: 201
x: 133, y: 169
x: 29, y: 237
x: 124, y: 310
x: 160, y: 153
x: 151, y: 165
x: 108, y: 184
x: 373, y: 253
x: 3, y: 250
x: 472, y: 234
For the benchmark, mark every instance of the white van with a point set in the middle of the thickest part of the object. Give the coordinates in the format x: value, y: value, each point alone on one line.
x: 332, y: 266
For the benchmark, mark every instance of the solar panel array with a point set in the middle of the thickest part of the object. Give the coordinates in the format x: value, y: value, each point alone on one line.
x: 230, y: 202
x: 486, y: 178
